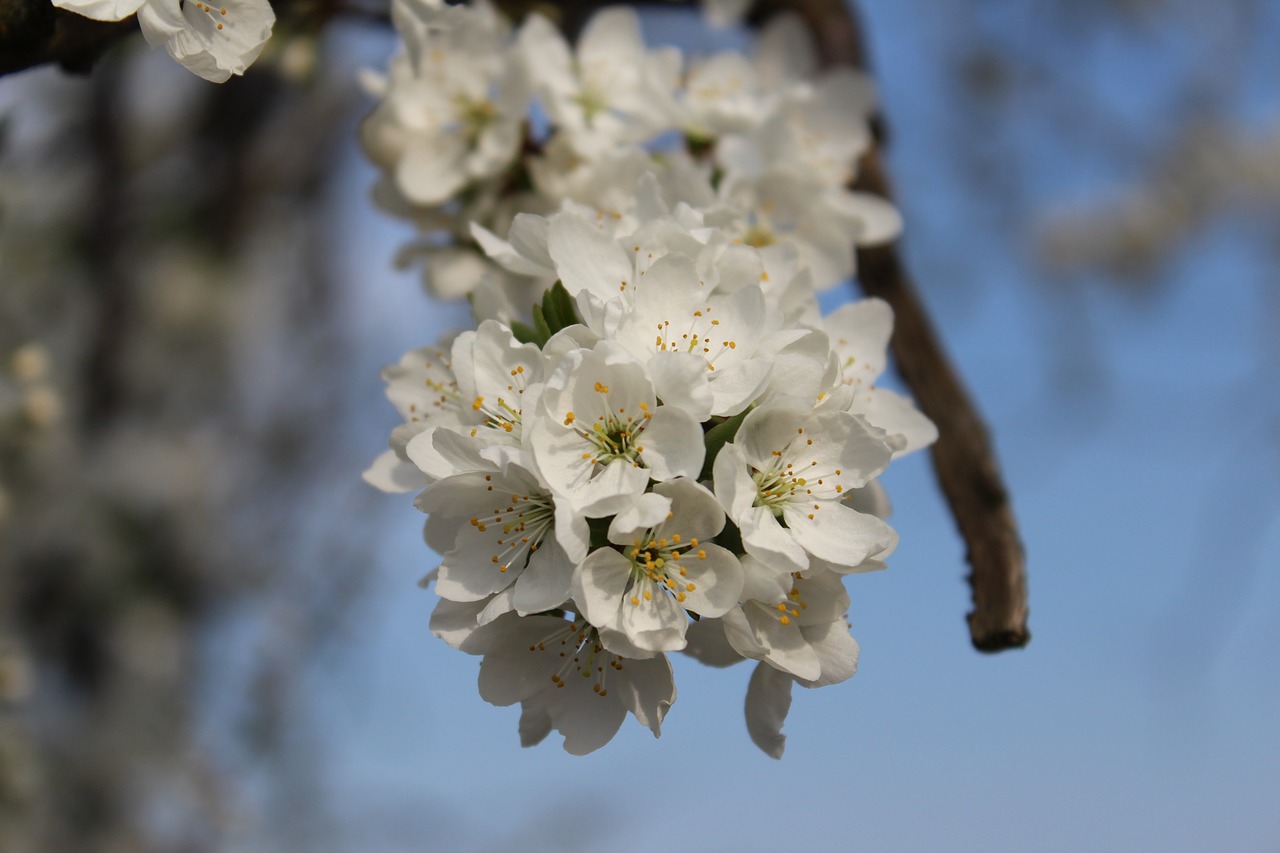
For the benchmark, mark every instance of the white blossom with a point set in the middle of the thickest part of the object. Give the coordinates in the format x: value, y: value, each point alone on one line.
x: 638, y: 595
x: 565, y: 679
x: 610, y: 90
x: 454, y: 101
x: 496, y: 530
x: 600, y: 434
x: 214, y: 42
x: 860, y: 334
x: 783, y: 478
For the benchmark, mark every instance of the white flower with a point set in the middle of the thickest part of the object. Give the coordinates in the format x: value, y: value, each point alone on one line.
x: 498, y: 530
x: 638, y: 596
x: 564, y: 678
x: 600, y: 435
x: 801, y: 632
x: 699, y: 347
x: 859, y: 336
x: 453, y: 105
x: 783, y: 478
x: 789, y: 206
x: 496, y: 378
x: 212, y: 41
x: 424, y: 391
x: 612, y: 90
x: 820, y: 129
x: 769, y: 691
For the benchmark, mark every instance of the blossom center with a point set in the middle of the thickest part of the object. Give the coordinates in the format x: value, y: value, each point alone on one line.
x: 656, y: 562
x: 577, y: 650
x: 614, y: 435
x: 788, y: 480
x: 700, y: 335
x: 523, y: 524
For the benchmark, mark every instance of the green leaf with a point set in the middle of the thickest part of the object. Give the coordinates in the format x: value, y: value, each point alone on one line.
x: 717, y: 437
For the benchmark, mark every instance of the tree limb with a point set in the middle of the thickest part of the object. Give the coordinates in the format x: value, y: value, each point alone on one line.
x: 963, y: 459
x: 33, y: 32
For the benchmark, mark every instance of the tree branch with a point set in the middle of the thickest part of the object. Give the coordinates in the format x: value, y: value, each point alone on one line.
x: 963, y: 459
x: 33, y: 32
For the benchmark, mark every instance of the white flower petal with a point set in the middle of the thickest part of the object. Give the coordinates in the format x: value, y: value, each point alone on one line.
x: 738, y: 386
x: 708, y: 645
x: 101, y: 10
x: 160, y: 19
x: 599, y: 583
x: 586, y: 720
x: 733, y: 485
x: 535, y: 721
x: 771, y: 543
x: 223, y: 40
x: 390, y: 473
x: 785, y: 645
x: 651, y: 619
x: 587, y: 260
x: 897, y: 416
x: 646, y: 688
x: 768, y: 701
x: 611, y: 490
x: 716, y: 578
x: 836, y: 649
x: 430, y: 169
x: 836, y: 533
x: 673, y: 446
x: 546, y: 581
x: 648, y: 510
x: 681, y: 379
x: 457, y: 624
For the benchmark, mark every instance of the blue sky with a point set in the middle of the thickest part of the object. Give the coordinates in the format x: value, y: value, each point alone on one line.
x: 1141, y: 442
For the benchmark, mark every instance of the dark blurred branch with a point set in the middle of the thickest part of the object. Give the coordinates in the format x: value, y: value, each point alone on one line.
x: 113, y: 288
x: 33, y: 32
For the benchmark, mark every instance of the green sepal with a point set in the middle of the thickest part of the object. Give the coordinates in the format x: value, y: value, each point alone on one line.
x: 541, y: 327
x: 716, y: 438
x: 730, y: 538
x: 599, y: 528
x: 524, y: 333
x: 558, y: 309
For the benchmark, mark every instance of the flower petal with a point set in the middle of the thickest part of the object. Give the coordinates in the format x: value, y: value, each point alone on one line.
x: 768, y: 701
x: 646, y: 688
x: 599, y: 583
x: 390, y: 473
x: 836, y: 533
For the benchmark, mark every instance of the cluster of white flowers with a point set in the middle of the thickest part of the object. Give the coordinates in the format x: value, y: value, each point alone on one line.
x: 212, y: 41
x: 653, y: 441
x: 757, y: 145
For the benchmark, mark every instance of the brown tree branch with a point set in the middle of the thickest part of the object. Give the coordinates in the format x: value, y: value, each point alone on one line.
x: 963, y: 458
